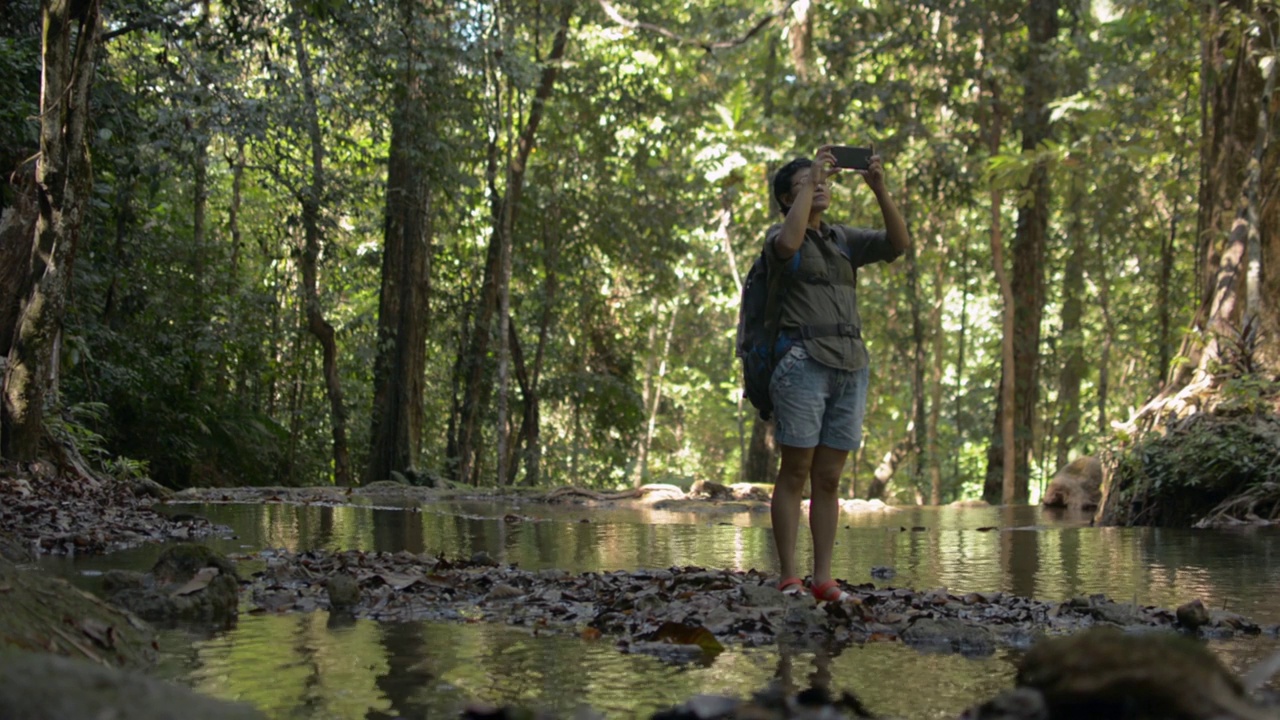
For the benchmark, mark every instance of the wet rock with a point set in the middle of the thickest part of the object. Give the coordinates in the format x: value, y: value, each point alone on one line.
x: 48, y: 614
x: 13, y: 551
x: 46, y: 687
x: 483, y: 559
x: 188, y: 583
x: 117, y: 580
x: 1192, y: 615
x: 883, y: 573
x: 762, y: 595
x: 146, y: 487
x: 1016, y: 704
x: 706, y: 489
x: 343, y: 592
x: 1106, y: 673
x: 950, y: 635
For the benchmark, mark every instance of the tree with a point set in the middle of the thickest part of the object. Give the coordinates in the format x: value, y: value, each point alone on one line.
x: 395, y: 435
x: 63, y: 182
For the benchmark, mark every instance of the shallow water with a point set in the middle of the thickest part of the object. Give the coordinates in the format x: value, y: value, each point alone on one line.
x: 296, y: 666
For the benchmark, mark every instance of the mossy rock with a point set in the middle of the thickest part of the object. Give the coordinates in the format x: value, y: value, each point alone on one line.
x: 49, y: 615
x: 181, y: 561
x: 45, y: 687
x: 188, y: 583
x: 1106, y: 673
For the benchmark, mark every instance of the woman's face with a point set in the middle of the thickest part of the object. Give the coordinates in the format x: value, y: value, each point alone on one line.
x: 821, y: 198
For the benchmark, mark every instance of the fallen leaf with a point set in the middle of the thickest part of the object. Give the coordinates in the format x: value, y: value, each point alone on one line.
x: 99, y: 632
x: 590, y: 633
x: 198, y: 582
x: 399, y: 581
x: 681, y: 634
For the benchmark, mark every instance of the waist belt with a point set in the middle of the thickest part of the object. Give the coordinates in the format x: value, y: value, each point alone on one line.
x: 809, y: 332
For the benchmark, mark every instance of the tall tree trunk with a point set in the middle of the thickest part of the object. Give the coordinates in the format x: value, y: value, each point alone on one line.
x: 1108, y: 334
x: 653, y: 397
x: 917, y: 364
x: 939, y: 358
x: 395, y: 431
x: 998, y: 487
x: 1029, y: 242
x: 1072, y: 337
x: 505, y: 211
x: 310, y: 198
x: 64, y: 180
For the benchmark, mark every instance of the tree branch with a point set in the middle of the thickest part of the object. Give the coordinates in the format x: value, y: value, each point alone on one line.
x: 706, y: 45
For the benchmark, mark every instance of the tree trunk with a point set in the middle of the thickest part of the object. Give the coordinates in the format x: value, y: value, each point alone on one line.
x: 1029, y: 242
x: 883, y: 475
x: 64, y: 180
x: 505, y: 211
x: 395, y: 431
x: 654, y: 398
x: 761, y: 463
x: 932, y: 452
x: 1071, y: 340
x: 998, y: 487
x: 310, y: 197
x: 918, y: 410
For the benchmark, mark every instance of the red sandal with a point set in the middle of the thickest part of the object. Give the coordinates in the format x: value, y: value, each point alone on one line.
x: 791, y: 586
x: 830, y: 591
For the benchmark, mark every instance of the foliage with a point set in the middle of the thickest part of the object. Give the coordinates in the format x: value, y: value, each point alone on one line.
x: 1172, y: 479
x: 646, y: 197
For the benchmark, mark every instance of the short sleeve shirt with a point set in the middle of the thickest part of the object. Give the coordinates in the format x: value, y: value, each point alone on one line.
x: 834, y: 300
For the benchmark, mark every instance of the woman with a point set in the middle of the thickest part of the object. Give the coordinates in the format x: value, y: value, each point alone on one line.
x: 819, y: 387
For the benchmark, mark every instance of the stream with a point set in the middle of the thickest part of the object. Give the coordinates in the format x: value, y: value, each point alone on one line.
x: 304, y: 666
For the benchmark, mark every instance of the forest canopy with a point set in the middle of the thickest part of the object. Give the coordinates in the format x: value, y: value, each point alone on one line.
x: 340, y: 241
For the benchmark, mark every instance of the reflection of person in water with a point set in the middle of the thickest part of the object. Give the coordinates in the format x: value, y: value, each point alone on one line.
x: 819, y: 387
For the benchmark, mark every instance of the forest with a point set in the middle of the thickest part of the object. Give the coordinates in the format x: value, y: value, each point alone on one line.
x: 301, y: 242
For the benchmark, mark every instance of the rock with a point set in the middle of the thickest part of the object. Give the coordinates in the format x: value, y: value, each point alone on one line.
x: 710, y: 490
x: 1016, y: 704
x: 116, y: 580
x: 762, y: 595
x: 483, y: 559
x: 189, y: 582
x: 1106, y: 673
x: 949, y: 634
x: 146, y: 487
x: 1192, y: 615
x: 46, y: 687
x: 858, y: 505
x: 48, y: 614
x: 747, y: 491
x: 14, y: 551
x: 1077, y: 486
x: 343, y: 592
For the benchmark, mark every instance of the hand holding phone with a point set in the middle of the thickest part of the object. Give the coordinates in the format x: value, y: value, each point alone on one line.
x: 852, y: 158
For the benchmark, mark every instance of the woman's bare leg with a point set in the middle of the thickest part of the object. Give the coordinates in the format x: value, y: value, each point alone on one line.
x: 784, y: 509
x: 824, y: 508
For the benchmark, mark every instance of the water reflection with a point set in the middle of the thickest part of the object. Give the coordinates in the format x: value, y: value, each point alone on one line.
x: 305, y: 666
x: 1020, y: 550
x: 299, y: 667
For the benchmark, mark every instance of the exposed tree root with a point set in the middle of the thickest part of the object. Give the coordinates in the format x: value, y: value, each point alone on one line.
x: 1257, y: 505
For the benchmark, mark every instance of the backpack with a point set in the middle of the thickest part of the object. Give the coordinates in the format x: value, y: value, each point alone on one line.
x: 757, y: 335
x: 758, y: 313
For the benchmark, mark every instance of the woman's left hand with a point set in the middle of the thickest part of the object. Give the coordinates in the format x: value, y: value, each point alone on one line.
x: 874, y: 174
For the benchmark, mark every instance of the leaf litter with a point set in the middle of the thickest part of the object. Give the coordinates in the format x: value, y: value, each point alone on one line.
x: 688, y: 614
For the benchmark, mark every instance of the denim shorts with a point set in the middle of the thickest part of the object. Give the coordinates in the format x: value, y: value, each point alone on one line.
x: 817, y: 405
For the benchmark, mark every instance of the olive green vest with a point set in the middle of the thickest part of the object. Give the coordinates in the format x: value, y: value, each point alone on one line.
x: 819, y: 300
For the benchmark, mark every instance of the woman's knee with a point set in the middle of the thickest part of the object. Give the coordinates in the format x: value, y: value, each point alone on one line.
x: 826, y: 483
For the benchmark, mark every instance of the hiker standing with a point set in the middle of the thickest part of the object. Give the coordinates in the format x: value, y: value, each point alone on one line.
x: 819, y: 387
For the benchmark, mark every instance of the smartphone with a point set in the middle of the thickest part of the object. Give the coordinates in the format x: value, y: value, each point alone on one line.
x: 853, y: 158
